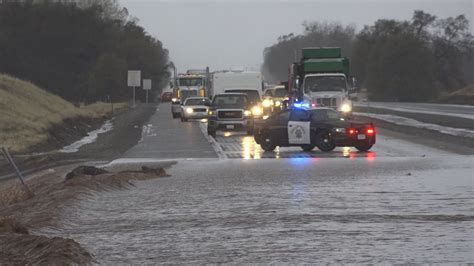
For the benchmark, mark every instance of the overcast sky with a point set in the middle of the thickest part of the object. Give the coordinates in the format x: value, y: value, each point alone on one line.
x: 223, y: 34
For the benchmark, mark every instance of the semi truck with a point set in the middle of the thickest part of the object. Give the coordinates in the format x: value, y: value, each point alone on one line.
x: 195, y: 83
x: 321, y: 78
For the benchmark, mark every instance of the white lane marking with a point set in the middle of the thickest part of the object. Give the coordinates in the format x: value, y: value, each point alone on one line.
x: 217, y: 148
x: 403, y: 121
x: 414, y: 110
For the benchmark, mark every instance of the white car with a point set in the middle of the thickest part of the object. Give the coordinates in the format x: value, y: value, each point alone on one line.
x: 195, y: 108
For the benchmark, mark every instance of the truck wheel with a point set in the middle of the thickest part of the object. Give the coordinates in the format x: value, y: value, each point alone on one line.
x: 363, y: 146
x: 308, y: 147
x: 174, y: 115
x: 267, y: 143
x: 184, y: 119
x: 324, y: 141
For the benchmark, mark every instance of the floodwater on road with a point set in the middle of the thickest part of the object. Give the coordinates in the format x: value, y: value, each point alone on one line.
x: 387, y: 209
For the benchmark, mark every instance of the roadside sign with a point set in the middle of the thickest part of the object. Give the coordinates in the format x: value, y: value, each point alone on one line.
x: 134, y: 78
x: 147, y: 84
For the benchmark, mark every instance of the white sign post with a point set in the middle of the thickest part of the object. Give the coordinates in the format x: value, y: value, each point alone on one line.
x: 147, y: 87
x: 134, y: 80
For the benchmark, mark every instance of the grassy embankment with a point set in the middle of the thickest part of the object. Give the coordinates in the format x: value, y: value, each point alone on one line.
x: 28, y: 112
x: 462, y: 96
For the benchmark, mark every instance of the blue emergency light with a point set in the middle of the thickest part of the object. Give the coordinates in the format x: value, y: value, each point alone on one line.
x: 301, y: 105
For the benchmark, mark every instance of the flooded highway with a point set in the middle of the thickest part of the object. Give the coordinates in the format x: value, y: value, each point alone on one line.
x: 288, y: 210
x: 400, y: 203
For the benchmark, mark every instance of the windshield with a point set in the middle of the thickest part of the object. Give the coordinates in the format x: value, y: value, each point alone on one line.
x: 324, y: 83
x: 200, y: 101
x: 252, y: 95
x: 230, y: 101
x: 188, y: 82
x: 280, y: 92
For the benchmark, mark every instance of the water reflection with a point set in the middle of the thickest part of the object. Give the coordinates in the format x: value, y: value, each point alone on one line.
x: 250, y: 149
x: 346, y: 151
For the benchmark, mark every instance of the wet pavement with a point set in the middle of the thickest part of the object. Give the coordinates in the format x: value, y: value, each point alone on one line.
x: 400, y: 203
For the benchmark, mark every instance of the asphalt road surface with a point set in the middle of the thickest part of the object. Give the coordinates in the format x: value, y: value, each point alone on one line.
x: 226, y: 201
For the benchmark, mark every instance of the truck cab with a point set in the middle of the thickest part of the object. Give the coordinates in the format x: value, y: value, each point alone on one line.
x: 328, y: 90
x: 187, y: 85
x: 230, y: 111
x: 321, y: 79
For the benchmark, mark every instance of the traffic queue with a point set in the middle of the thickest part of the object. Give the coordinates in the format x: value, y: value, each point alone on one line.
x: 312, y: 109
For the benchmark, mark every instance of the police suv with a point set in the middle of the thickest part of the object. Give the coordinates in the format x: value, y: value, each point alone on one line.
x: 308, y: 128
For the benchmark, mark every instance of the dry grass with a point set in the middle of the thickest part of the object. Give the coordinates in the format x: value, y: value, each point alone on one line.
x: 462, y: 96
x: 27, y: 112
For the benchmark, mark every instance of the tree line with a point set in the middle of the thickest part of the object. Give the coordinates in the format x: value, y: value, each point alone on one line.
x: 414, y: 60
x: 79, y: 52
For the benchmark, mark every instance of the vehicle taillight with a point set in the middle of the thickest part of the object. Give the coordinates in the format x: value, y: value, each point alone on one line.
x: 352, y: 131
x: 370, y: 131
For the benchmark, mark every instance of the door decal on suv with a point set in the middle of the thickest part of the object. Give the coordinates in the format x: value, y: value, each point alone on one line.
x: 298, y: 132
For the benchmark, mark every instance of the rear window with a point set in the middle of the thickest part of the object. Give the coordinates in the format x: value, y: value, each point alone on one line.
x: 324, y: 114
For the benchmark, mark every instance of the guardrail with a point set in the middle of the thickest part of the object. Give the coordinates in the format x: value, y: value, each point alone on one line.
x: 7, y: 156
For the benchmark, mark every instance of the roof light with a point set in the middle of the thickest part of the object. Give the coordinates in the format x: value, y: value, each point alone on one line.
x: 301, y: 105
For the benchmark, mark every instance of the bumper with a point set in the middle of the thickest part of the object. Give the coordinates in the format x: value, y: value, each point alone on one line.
x: 195, y: 115
x: 237, y: 125
x: 342, y: 140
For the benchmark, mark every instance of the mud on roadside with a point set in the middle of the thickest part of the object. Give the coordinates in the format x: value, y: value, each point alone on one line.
x: 22, y: 213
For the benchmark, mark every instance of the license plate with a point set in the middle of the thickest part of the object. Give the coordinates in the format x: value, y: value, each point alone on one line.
x: 361, y: 136
x: 230, y: 126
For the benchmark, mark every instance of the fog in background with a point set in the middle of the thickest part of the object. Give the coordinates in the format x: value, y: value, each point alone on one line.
x: 223, y: 34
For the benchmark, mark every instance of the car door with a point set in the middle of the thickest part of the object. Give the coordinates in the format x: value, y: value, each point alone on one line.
x: 298, y: 128
x: 279, y: 125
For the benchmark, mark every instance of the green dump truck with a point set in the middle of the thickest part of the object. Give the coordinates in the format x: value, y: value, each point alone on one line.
x: 321, y: 79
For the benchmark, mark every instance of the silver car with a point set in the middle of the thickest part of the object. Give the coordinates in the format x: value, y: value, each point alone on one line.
x: 195, y: 108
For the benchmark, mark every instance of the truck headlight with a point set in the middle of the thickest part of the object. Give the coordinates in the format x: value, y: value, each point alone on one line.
x: 247, y: 113
x: 277, y: 103
x: 345, y: 108
x: 267, y: 103
x: 211, y: 112
x: 257, y: 110
x: 189, y: 110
